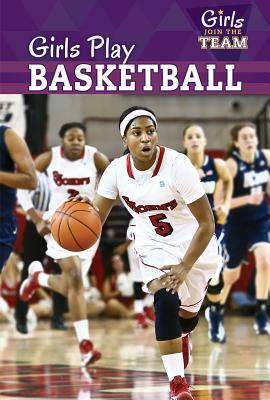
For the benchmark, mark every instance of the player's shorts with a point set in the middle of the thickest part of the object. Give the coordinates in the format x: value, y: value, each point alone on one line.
x: 57, y: 252
x: 193, y: 289
x: 8, y: 234
x: 134, y: 263
x: 243, y: 237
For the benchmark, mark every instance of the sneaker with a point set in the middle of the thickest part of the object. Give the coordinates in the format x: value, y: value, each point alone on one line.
x: 88, y: 354
x: 186, y: 348
x: 180, y: 389
x: 261, y: 326
x: 150, y: 313
x: 21, y: 326
x: 141, y: 320
x: 30, y: 284
x: 216, y: 331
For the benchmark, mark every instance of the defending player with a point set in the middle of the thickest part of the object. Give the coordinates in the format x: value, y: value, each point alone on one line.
x: 211, y: 172
x: 174, y: 232
x: 72, y: 168
x: 248, y: 223
x: 16, y: 171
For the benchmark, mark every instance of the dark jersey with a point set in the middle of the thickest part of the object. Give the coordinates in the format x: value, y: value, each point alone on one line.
x: 210, y: 178
x: 7, y: 194
x: 250, y: 178
x: 209, y: 182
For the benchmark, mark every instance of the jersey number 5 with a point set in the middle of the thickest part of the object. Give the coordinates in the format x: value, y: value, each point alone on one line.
x: 163, y: 228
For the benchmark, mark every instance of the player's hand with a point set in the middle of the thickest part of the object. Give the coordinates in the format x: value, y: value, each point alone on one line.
x: 221, y: 212
x: 83, y: 199
x: 43, y: 227
x: 174, y: 276
x: 256, y: 198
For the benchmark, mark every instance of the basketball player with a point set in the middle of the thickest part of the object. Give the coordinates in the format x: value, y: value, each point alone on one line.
x: 34, y: 249
x: 248, y: 223
x: 72, y: 168
x: 14, y: 153
x: 174, y: 235
x: 211, y: 171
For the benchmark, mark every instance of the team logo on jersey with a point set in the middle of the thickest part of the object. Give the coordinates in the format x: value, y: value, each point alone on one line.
x: 262, y: 163
x: 60, y: 180
x: 209, y: 172
x: 142, y: 208
x: 242, y: 167
x: 162, y: 184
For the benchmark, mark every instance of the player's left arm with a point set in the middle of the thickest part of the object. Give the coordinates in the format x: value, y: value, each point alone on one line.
x: 223, y: 205
x: 266, y: 153
x: 101, y: 162
x: 25, y: 175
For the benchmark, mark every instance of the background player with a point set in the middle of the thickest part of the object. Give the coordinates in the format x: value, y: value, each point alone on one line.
x: 34, y: 249
x: 211, y: 172
x: 72, y: 168
x: 248, y: 223
x: 174, y: 226
x: 16, y: 171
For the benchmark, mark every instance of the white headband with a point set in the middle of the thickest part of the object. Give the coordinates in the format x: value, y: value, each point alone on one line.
x: 135, y: 114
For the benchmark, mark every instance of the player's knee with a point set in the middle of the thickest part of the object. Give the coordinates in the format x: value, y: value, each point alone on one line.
x: 75, y: 279
x: 188, y: 325
x: 167, y: 323
x: 231, y: 275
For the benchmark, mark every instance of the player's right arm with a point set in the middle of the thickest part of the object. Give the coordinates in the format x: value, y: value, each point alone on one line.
x: 25, y: 176
x: 25, y: 200
x: 241, y: 201
x: 106, y: 195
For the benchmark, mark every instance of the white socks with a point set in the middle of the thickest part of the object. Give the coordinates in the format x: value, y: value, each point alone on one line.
x: 82, y: 330
x: 138, y: 306
x: 174, y: 365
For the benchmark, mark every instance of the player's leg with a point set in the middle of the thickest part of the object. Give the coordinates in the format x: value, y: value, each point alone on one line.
x: 59, y: 304
x: 262, y: 284
x: 236, y: 242
x: 77, y: 307
x: 139, y: 315
x: 168, y: 336
x: 134, y: 266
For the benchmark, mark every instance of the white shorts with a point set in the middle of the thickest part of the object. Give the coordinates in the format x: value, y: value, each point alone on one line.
x: 193, y: 289
x: 134, y: 263
x: 57, y: 253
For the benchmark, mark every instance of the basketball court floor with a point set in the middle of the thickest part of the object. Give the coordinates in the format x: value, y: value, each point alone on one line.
x: 46, y: 364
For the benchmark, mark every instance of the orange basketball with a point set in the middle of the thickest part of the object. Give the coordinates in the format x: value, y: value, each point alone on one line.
x: 75, y: 226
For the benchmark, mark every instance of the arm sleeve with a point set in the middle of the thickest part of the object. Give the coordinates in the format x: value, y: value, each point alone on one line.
x: 24, y: 199
x: 108, y: 183
x: 186, y: 180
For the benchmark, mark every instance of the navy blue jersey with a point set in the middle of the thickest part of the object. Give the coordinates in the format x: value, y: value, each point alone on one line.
x: 209, y: 182
x: 210, y: 178
x: 7, y: 194
x: 250, y: 178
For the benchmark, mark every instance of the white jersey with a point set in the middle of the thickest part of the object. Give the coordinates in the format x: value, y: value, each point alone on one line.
x: 157, y: 198
x: 69, y: 178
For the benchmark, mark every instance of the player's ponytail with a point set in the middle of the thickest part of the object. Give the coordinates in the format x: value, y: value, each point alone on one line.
x: 234, y: 137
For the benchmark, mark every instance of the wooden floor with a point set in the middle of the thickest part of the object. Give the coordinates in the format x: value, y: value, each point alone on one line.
x: 45, y: 365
